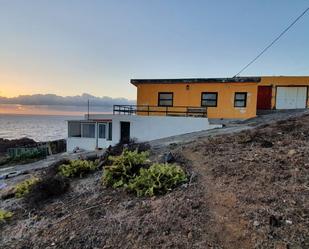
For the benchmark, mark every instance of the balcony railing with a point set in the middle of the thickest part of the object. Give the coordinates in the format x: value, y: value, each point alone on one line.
x: 188, y: 111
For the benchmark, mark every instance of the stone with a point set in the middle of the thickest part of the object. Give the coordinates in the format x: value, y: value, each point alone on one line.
x: 291, y: 152
x: 190, y: 236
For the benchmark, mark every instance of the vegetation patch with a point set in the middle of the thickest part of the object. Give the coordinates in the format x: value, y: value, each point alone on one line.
x: 132, y: 171
x: 157, y: 179
x: 24, y: 187
x: 23, y: 158
x: 49, y: 186
x: 131, y: 145
x: 77, y: 168
x: 5, y: 215
x: 124, y: 168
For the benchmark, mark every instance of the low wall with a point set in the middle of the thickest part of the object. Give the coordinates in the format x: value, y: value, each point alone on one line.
x: 81, y: 142
x: 142, y: 128
x: 146, y: 128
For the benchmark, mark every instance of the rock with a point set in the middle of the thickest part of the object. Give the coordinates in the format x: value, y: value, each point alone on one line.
x: 267, y: 144
x: 291, y: 152
x: 256, y: 223
x: 280, y: 245
x: 3, y: 185
x: 169, y: 158
x: 128, y: 204
x: 193, y: 177
x: 7, y: 193
x: 275, y: 221
x: 288, y: 222
x: 190, y: 236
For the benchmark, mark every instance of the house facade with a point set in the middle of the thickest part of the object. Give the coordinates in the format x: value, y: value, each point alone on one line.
x: 225, y: 98
x: 170, y: 107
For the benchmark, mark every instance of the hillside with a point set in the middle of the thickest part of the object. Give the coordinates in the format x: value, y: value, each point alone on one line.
x: 247, y: 190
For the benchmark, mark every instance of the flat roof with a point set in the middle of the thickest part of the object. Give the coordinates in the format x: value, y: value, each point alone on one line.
x: 196, y: 80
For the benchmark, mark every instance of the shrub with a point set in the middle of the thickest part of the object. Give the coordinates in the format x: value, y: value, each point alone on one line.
x: 157, y: 179
x: 24, y: 187
x: 77, y: 168
x: 123, y: 168
x: 131, y: 145
x: 4, y: 215
x: 49, y: 186
x: 28, y: 156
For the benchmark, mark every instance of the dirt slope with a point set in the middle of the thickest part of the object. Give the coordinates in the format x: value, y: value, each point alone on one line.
x: 248, y: 190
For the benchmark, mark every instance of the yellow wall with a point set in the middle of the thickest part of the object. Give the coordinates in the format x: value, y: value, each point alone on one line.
x: 147, y: 94
x: 275, y: 81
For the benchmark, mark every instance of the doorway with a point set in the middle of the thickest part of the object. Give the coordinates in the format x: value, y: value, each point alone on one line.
x: 264, y: 97
x: 291, y: 97
x: 124, y: 132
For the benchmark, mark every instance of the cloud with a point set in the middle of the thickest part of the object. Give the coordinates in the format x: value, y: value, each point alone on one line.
x: 53, y: 99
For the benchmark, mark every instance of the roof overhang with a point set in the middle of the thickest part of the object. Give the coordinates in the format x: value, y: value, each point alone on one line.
x: 196, y: 80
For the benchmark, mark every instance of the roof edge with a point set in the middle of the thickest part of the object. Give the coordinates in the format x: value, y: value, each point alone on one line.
x: 196, y: 80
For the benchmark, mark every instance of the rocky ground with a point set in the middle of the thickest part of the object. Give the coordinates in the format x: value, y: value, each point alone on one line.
x: 247, y: 190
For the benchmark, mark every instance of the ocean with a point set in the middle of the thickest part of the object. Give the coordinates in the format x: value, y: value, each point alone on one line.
x: 37, y: 127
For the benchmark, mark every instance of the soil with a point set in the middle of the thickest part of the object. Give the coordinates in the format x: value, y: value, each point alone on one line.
x: 246, y: 190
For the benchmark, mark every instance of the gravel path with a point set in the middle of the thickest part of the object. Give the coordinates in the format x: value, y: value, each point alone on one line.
x: 229, y: 128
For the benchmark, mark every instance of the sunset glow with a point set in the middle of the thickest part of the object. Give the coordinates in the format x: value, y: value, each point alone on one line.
x: 56, y: 47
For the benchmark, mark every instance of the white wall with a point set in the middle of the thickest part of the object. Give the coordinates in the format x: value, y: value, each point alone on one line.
x: 81, y: 142
x: 143, y: 128
x: 146, y: 128
x: 103, y: 143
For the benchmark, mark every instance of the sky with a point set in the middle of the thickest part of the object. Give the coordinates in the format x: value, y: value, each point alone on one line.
x: 72, y: 47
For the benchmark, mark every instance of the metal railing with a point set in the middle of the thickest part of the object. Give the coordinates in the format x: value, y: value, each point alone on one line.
x: 188, y: 111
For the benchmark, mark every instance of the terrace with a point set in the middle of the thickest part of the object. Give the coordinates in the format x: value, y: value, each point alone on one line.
x: 148, y: 110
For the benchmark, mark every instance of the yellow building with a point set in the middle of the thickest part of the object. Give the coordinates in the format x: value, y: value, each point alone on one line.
x: 229, y: 98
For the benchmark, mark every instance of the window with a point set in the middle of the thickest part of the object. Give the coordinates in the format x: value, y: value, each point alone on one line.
x: 74, y: 129
x: 165, y: 99
x: 102, y: 130
x: 240, y: 100
x: 88, y: 130
x: 209, y: 99
x: 110, y: 131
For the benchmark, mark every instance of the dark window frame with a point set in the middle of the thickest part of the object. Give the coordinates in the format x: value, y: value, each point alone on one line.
x: 83, y: 131
x: 99, y: 125
x: 244, y: 100
x: 172, y: 99
x: 110, y: 132
x: 216, y: 93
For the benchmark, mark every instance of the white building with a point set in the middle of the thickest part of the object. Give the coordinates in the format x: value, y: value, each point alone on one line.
x: 103, y: 130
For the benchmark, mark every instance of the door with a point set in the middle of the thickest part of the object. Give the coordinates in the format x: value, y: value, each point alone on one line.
x: 291, y: 97
x: 124, y: 132
x: 264, y: 97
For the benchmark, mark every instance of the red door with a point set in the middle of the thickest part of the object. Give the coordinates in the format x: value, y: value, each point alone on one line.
x: 264, y: 98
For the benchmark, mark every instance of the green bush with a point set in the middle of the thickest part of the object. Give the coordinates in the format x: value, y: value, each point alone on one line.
x: 28, y: 155
x: 123, y: 168
x: 4, y: 215
x: 24, y: 187
x: 77, y: 168
x: 157, y: 179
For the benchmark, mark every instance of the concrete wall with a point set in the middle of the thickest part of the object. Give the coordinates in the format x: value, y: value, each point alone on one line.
x: 142, y: 128
x: 146, y: 128
x: 81, y: 142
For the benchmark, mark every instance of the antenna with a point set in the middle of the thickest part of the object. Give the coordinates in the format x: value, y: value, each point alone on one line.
x: 88, y: 109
